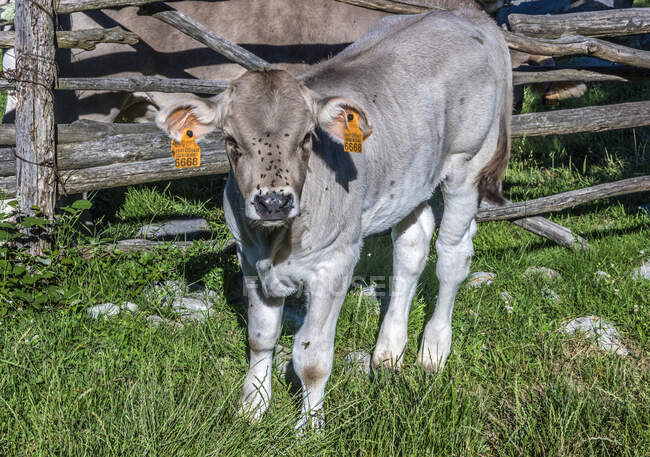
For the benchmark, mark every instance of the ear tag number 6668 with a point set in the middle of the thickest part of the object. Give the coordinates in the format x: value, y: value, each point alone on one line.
x: 187, y: 154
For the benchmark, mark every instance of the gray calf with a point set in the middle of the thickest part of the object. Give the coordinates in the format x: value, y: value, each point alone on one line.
x: 437, y: 90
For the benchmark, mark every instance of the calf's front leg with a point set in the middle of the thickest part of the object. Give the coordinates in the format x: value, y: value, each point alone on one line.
x: 264, y: 324
x: 313, y: 348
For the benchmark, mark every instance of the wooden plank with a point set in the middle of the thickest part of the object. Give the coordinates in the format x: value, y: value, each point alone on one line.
x: 565, y: 200
x: 144, y: 84
x: 621, y: 73
x: 146, y: 171
x: 588, y: 119
x: 579, y: 45
x: 136, y: 84
x: 35, y: 73
x: 72, y: 6
x: 81, y: 39
x: 618, y: 22
x: 393, y: 6
x: 552, y: 231
x: 201, y: 33
x: 104, y: 143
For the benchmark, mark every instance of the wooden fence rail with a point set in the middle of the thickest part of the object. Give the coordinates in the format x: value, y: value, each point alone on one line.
x: 629, y: 21
x: 94, y: 155
x: 81, y: 39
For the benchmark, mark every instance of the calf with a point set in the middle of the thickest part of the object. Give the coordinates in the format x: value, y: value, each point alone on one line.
x: 435, y: 92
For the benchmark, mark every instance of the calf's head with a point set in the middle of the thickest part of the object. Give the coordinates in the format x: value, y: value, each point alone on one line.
x: 268, y: 119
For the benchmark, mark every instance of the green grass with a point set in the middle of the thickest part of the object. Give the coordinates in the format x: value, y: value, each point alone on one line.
x: 514, y: 384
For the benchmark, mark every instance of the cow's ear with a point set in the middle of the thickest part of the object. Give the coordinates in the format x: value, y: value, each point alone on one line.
x: 333, y: 117
x: 201, y: 116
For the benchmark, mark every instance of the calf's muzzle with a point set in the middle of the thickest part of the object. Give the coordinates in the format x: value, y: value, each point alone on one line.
x: 274, y: 205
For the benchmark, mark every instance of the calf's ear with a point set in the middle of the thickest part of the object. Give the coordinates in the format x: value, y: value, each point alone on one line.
x: 333, y: 114
x: 201, y: 116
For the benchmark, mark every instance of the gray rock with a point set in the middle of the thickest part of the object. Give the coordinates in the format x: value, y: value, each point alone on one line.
x: 551, y: 295
x: 358, y: 360
x: 377, y: 296
x: 191, y: 308
x: 546, y: 273
x: 481, y: 278
x: 645, y: 208
x: 189, y: 229
x: 507, y: 299
x: 601, y: 276
x: 643, y: 272
x: 165, y: 293
x: 602, y: 332
x: 156, y: 321
x: 282, y: 359
x: 110, y: 309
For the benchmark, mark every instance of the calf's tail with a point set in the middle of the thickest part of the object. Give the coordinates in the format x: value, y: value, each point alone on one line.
x: 490, y: 178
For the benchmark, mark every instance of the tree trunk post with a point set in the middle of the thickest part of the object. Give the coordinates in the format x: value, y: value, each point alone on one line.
x: 35, y: 128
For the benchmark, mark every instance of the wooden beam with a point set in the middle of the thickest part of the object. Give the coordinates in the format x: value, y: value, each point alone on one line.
x: 201, y: 33
x: 588, y: 119
x: 95, y: 143
x: 621, y: 73
x: 579, y: 45
x: 199, y: 86
x: 81, y: 39
x: 559, y: 202
x: 617, y: 22
x: 72, y: 6
x: 136, y: 84
x: 392, y: 6
x: 35, y: 73
x: 552, y: 231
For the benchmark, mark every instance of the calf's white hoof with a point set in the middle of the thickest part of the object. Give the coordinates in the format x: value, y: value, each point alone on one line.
x: 383, y: 357
x: 313, y: 422
x: 434, y: 349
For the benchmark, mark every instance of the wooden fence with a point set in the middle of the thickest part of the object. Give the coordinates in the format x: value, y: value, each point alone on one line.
x: 89, y: 156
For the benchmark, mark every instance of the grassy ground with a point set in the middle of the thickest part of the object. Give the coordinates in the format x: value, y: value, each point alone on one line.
x: 514, y: 384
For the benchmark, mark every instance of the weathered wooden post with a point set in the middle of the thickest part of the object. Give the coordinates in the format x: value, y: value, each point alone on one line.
x: 35, y: 147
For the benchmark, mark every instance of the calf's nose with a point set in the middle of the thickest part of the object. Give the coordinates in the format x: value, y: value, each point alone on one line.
x: 273, y: 205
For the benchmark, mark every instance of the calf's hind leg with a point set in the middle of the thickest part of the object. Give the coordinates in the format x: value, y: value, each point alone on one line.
x: 411, y: 239
x: 455, y: 250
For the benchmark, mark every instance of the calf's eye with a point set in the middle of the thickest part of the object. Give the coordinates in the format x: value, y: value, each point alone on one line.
x: 306, y: 141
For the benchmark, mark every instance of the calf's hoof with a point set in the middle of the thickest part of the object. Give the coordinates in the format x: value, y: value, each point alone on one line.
x: 434, y: 349
x: 385, y: 358
x: 310, y: 422
x: 252, y: 406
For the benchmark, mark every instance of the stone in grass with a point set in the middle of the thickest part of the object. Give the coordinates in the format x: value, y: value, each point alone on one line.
x: 546, y: 273
x: 507, y: 299
x: 359, y: 361
x: 282, y: 359
x: 192, y: 308
x: 481, y: 278
x: 110, y: 309
x: 187, y: 229
x: 378, y: 297
x: 602, y: 332
x: 156, y: 321
x: 602, y: 276
x: 174, y: 289
x: 551, y: 295
x: 643, y: 272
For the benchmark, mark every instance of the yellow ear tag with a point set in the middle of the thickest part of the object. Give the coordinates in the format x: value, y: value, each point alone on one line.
x: 187, y: 153
x: 353, y: 137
